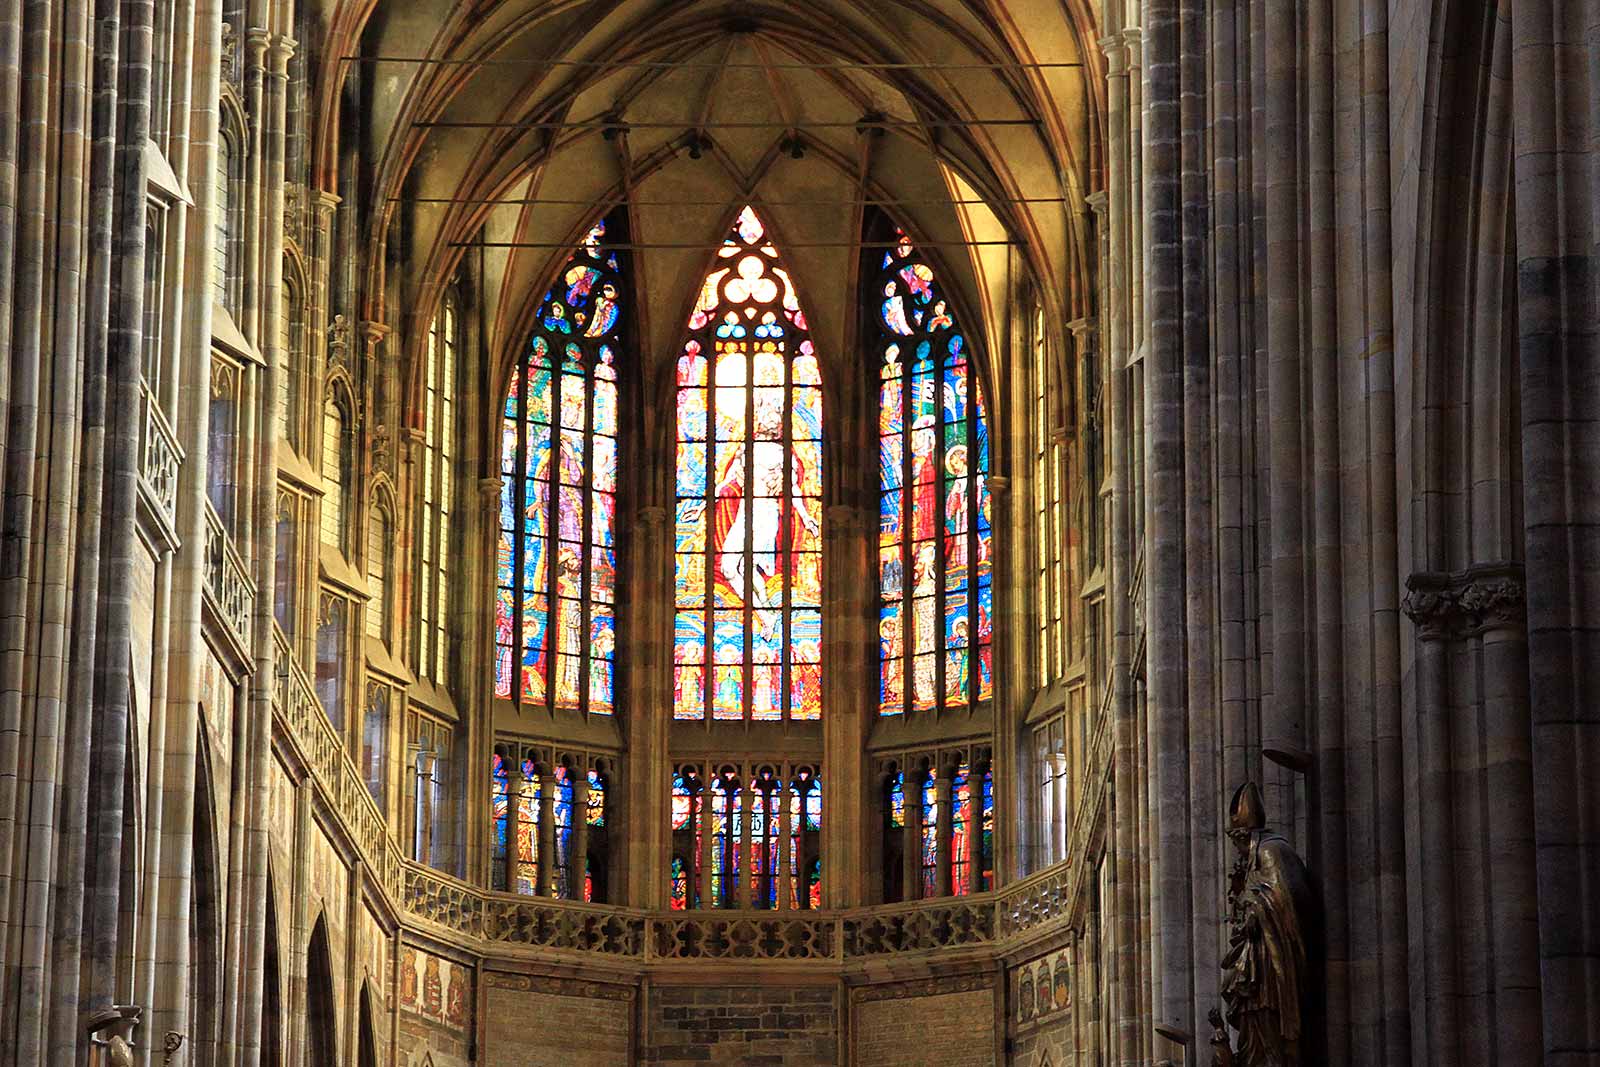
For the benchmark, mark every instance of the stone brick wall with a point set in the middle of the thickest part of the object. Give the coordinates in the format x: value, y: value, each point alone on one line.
x: 938, y: 1023
x: 759, y: 1026
x: 546, y: 1022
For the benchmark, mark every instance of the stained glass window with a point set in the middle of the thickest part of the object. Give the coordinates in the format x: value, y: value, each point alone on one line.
x: 748, y: 529
x: 935, y: 577
x: 555, y: 615
x: 574, y: 844
x: 947, y: 818
x: 746, y: 838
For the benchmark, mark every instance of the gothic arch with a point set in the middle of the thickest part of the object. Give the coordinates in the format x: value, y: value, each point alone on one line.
x: 321, y: 1014
x: 272, y: 988
x: 204, y: 922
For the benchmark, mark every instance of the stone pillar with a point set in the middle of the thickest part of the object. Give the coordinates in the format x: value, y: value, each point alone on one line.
x: 514, y: 783
x: 745, y: 896
x: 942, y: 799
x: 547, y: 832
x: 789, y: 859
x: 578, y: 856
x: 974, y: 842
x: 708, y: 795
x: 911, y: 865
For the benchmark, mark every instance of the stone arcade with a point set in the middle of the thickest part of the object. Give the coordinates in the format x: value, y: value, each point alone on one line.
x: 901, y: 534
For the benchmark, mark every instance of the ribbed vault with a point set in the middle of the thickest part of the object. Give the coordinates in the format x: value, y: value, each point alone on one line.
x: 513, y: 124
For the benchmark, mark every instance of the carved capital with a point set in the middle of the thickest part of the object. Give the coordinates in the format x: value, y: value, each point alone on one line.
x: 1478, y: 599
x: 652, y: 517
x: 999, y: 485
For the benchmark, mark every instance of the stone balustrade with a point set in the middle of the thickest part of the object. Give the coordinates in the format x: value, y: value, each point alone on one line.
x: 228, y: 587
x: 160, y: 458
x: 497, y: 922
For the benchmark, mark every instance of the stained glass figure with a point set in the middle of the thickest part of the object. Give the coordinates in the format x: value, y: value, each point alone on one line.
x: 961, y: 825
x: 748, y: 526
x: 935, y: 570
x: 499, y: 815
x: 930, y: 837
x: 555, y: 616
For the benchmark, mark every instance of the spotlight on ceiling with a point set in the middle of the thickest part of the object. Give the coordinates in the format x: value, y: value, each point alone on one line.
x: 696, y: 143
x: 794, y: 146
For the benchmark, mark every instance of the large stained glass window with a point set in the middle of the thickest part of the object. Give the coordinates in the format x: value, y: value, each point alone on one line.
x: 748, y: 632
x: 555, y: 615
x: 935, y: 566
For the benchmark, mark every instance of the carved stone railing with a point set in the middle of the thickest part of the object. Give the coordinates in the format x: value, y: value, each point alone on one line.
x: 1036, y: 901
x: 495, y: 921
x: 506, y: 919
x: 227, y: 583
x: 160, y: 457
x: 945, y: 922
x: 745, y: 936
x: 328, y: 759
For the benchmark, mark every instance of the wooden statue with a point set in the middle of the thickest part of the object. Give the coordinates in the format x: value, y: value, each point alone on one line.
x: 1264, y: 973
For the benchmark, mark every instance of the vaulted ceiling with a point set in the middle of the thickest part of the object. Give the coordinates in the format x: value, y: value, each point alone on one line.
x: 499, y: 128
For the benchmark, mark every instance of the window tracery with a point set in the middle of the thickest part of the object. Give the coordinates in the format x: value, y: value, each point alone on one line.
x: 555, y: 614
x: 937, y: 826
x: 935, y: 574
x: 550, y: 833
x: 748, y: 532
x: 746, y: 835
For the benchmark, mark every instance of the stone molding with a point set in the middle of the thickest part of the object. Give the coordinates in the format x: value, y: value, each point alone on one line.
x: 560, y: 987
x: 1454, y: 604
x: 924, y: 987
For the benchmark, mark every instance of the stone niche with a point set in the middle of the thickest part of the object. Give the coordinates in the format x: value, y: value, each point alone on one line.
x: 937, y: 1022
x: 756, y: 1024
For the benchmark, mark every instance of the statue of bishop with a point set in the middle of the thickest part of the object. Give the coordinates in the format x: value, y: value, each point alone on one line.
x: 1265, y: 974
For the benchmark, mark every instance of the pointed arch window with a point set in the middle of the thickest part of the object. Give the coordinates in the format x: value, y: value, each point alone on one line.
x: 555, y: 604
x: 437, y: 490
x: 748, y: 533
x: 337, y: 477
x: 380, y: 555
x: 935, y: 565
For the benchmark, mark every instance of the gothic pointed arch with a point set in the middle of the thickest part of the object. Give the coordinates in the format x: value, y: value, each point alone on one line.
x: 935, y: 543
x: 556, y: 585
x: 748, y: 524
x: 321, y: 1035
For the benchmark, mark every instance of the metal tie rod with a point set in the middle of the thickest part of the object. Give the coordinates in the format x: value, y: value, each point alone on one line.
x: 667, y: 64
x: 708, y: 247
x: 622, y: 124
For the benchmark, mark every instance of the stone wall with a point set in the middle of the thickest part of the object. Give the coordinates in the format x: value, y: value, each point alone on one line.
x: 545, y: 1022
x: 936, y: 1023
x: 754, y: 1026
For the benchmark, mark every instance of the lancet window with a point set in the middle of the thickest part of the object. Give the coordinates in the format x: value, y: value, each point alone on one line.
x: 746, y: 836
x: 935, y: 565
x: 550, y: 829
x: 938, y: 827
x: 555, y: 614
x: 748, y: 527
x: 437, y: 485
